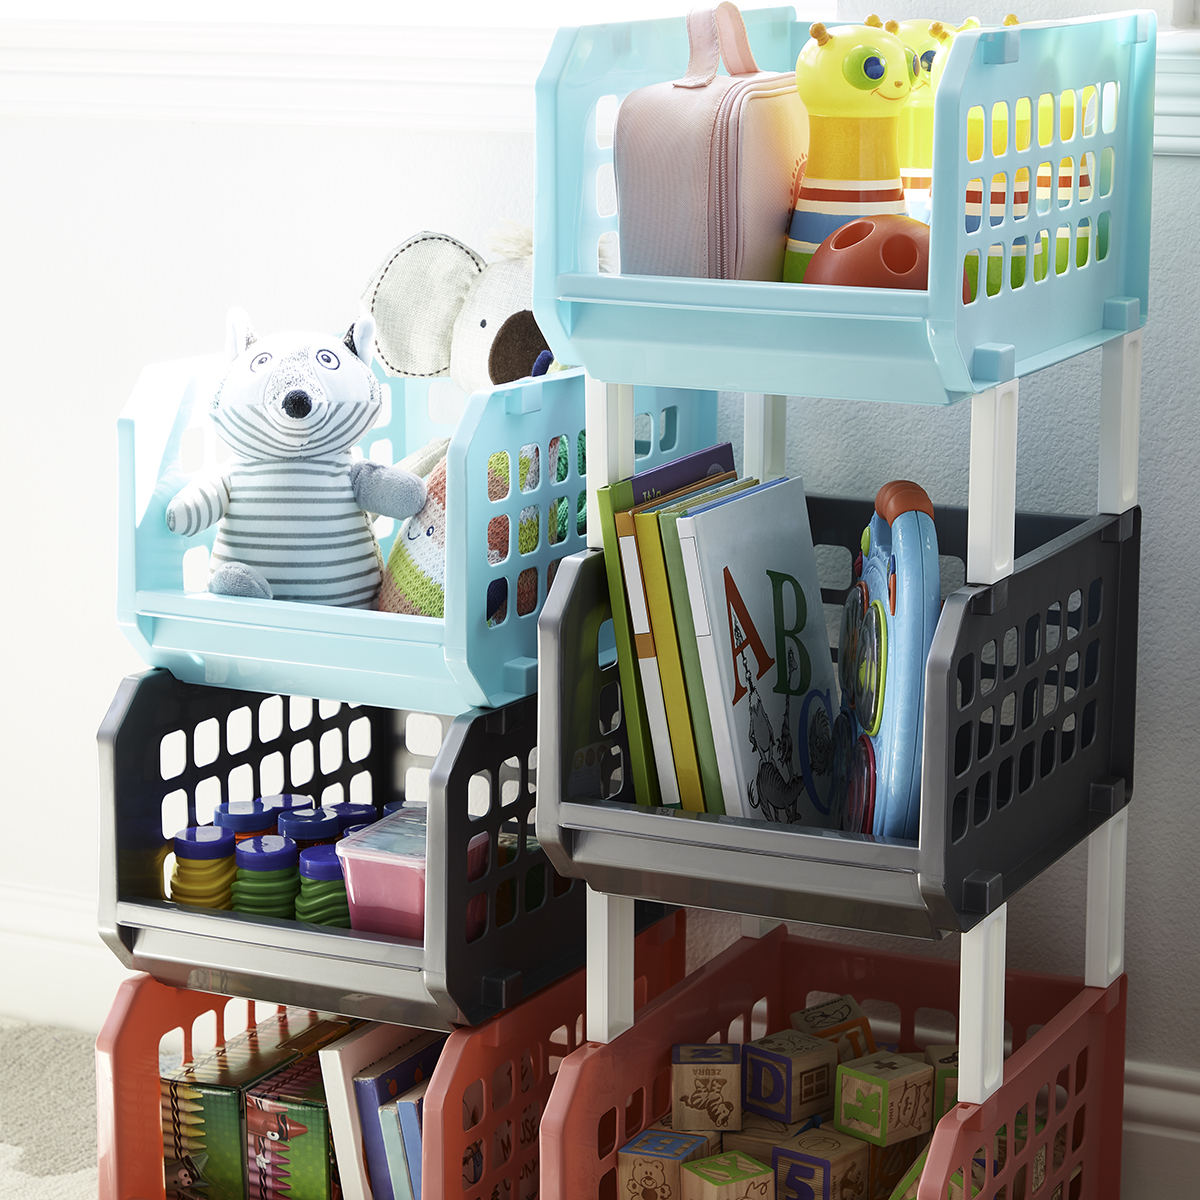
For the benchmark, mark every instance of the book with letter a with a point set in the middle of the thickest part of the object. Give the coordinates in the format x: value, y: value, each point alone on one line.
x: 764, y: 653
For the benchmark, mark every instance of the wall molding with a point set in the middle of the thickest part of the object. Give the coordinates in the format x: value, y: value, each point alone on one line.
x: 394, y: 76
x: 1177, y: 93
x: 415, y: 77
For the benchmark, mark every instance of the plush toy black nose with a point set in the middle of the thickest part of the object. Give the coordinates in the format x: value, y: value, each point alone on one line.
x: 297, y: 404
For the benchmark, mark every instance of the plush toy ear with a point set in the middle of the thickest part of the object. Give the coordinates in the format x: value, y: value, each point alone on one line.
x: 238, y: 334
x: 360, y: 338
x: 415, y: 298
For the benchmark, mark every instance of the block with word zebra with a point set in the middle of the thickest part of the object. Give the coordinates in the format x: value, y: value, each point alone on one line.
x: 706, y: 1086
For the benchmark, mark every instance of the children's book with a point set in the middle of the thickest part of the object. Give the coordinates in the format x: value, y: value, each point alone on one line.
x: 340, y: 1063
x: 387, y: 1079
x: 764, y: 653
x: 658, y: 663
x: 619, y: 497
x: 685, y: 637
x: 400, y: 1122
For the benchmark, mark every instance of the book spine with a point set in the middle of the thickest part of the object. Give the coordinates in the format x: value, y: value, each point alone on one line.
x: 693, y: 676
x: 637, y: 726
x: 396, y: 1165
x: 374, y: 1151
x: 718, y: 710
x: 670, y: 668
x: 410, y: 1131
x: 679, y: 472
x: 643, y: 640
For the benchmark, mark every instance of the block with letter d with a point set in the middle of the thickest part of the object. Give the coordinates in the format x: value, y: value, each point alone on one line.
x: 788, y: 1075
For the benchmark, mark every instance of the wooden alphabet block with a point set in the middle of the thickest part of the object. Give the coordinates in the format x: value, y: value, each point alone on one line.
x: 888, y: 1165
x: 884, y: 1098
x: 821, y: 1164
x: 728, y: 1177
x: 788, y: 1075
x: 760, y: 1135
x: 944, y: 1060
x: 841, y: 1020
x: 706, y: 1087
x: 648, y: 1166
x: 906, y: 1189
x: 714, y: 1139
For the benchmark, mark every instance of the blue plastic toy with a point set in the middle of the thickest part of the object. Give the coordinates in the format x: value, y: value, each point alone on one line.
x: 887, y: 628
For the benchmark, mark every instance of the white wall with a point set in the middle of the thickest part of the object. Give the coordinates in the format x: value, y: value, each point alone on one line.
x: 139, y: 202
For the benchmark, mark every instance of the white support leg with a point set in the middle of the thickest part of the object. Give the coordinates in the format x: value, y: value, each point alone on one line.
x: 765, y: 436
x: 981, y: 1008
x: 1120, y: 405
x: 609, y: 965
x: 608, y: 415
x: 1105, y: 955
x: 993, y: 486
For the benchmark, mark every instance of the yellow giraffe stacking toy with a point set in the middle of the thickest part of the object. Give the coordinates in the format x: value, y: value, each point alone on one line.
x: 853, y: 80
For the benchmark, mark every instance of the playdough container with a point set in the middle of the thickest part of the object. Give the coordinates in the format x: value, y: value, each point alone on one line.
x: 204, y: 867
x: 268, y: 877
x: 349, y: 815
x: 247, y: 818
x: 385, y: 876
x: 322, y: 899
x: 310, y: 826
x: 287, y: 800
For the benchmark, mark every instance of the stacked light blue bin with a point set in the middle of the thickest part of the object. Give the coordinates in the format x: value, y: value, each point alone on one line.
x: 444, y: 665
x: 853, y: 343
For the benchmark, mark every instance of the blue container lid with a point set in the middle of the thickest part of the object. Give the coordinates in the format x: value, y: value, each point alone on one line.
x: 244, y: 816
x: 356, y: 829
x: 204, y: 841
x: 320, y: 862
x: 354, y: 814
x: 287, y: 800
x: 270, y: 853
x: 392, y: 806
x: 309, y: 824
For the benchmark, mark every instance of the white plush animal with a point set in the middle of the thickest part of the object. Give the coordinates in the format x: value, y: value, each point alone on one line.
x: 294, y: 508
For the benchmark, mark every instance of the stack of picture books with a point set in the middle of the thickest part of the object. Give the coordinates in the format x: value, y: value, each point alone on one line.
x: 726, y: 676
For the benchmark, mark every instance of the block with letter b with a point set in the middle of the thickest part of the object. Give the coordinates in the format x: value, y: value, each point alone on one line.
x: 728, y: 1177
x: 648, y: 1167
x: 821, y: 1164
x: 884, y: 1098
x: 788, y: 1075
x: 706, y: 1087
x: 842, y: 1021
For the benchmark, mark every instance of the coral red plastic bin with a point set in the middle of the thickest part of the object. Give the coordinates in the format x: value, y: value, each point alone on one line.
x: 480, y: 1069
x: 1068, y: 1062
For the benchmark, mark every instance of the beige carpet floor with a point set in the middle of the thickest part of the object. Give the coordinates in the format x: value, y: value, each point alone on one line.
x: 47, y: 1113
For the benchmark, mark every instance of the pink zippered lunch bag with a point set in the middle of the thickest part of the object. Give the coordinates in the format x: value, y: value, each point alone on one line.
x: 708, y: 166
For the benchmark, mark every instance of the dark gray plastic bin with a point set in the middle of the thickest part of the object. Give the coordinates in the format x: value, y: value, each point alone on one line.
x: 1029, y: 723
x: 482, y: 779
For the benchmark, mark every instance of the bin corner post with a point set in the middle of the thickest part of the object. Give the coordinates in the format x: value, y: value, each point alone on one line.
x: 981, y: 1008
x: 608, y: 420
x: 765, y: 439
x: 1104, y: 957
x: 991, y: 515
x: 1120, y: 406
x: 609, y: 966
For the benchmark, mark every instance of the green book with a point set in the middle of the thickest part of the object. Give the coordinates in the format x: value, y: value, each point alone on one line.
x: 618, y: 497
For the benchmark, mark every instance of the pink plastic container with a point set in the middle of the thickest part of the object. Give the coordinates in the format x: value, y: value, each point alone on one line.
x: 384, y: 866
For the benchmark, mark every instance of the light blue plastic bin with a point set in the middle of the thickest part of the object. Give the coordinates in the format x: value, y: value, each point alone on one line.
x: 443, y: 665
x: 860, y: 343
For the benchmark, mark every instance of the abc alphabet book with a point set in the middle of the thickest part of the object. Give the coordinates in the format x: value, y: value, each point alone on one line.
x: 764, y: 653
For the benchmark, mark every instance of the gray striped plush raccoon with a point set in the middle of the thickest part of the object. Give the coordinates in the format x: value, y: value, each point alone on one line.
x: 293, y: 508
